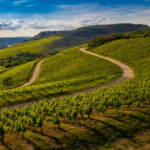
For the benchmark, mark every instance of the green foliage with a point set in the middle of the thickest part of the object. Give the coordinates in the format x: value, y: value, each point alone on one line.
x: 99, y: 40
x: 88, y: 110
x: 133, y: 92
x: 73, y: 64
x: 65, y: 74
x: 21, y: 58
x: 134, y: 52
x: 33, y: 47
x: 7, y: 81
x: 40, y: 123
x: 56, y: 121
x: 19, y: 75
x: 3, y: 131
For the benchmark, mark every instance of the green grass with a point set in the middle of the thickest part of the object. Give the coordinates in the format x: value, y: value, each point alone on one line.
x: 30, y: 46
x: 134, y: 52
x: 67, y: 72
x: 102, y: 131
x: 74, y: 64
x: 20, y: 74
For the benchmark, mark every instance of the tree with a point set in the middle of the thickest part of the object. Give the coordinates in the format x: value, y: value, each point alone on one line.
x: 3, y: 131
x: 7, y: 81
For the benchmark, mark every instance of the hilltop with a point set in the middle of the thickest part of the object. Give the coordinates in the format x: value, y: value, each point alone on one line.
x: 82, y: 35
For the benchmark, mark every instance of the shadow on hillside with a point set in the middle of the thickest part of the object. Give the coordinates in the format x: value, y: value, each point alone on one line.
x: 7, y: 147
x: 30, y: 141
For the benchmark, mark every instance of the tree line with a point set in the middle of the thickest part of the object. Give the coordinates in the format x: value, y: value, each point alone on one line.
x: 19, y: 59
x: 99, y: 40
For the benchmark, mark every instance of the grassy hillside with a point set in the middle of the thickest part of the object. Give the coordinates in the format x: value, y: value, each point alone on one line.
x: 53, y: 42
x: 82, y: 35
x: 21, y: 53
x: 20, y: 74
x: 39, y: 46
x: 64, y: 73
x: 116, y: 117
x: 74, y: 64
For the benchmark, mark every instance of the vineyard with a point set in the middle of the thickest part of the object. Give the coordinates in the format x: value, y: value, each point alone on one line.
x: 74, y: 64
x: 31, y: 46
x: 96, y: 120
x: 21, y: 74
x: 78, y: 71
x: 71, y: 123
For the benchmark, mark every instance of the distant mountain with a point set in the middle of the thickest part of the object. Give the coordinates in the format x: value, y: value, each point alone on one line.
x: 82, y: 35
x: 4, y: 42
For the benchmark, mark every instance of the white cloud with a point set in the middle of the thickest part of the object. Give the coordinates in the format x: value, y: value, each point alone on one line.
x: 11, y: 25
x: 65, y: 25
x: 68, y: 17
x: 16, y: 3
x: 29, y: 5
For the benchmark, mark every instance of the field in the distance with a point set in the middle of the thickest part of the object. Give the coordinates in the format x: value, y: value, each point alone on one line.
x: 39, y: 46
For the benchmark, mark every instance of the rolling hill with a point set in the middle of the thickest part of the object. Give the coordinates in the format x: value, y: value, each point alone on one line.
x: 76, y: 65
x: 66, y: 72
x: 52, y: 42
x: 116, y: 117
x: 82, y: 35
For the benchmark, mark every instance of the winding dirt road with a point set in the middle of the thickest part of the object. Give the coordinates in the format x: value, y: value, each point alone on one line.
x: 127, y: 74
x: 35, y: 74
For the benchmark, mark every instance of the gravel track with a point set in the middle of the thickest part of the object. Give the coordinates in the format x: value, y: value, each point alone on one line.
x: 35, y: 74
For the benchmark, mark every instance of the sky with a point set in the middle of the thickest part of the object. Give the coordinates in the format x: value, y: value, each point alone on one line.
x: 29, y: 17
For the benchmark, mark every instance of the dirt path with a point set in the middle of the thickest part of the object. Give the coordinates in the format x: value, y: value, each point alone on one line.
x: 38, y: 43
x: 127, y: 74
x: 35, y: 74
x: 13, y: 49
x: 27, y: 46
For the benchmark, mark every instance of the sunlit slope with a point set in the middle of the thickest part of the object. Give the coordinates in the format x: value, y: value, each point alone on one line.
x: 20, y: 74
x: 82, y: 35
x: 135, y: 52
x: 37, y: 46
x: 109, y: 118
x: 74, y: 64
x: 67, y: 72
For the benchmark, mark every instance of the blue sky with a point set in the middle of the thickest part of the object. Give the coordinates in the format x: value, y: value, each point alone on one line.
x: 29, y: 17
